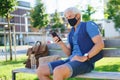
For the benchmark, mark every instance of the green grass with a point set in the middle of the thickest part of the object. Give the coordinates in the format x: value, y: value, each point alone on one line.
x: 106, y: 64
x: 7, y: 67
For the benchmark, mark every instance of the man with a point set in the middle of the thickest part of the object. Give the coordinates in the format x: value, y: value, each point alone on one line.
x: 84, y: 49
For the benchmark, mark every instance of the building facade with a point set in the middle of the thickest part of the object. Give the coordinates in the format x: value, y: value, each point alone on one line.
x: 20, y: 24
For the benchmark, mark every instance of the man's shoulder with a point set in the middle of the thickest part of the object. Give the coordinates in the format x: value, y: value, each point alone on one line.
x: 91, y: 23
x: 88, y: 22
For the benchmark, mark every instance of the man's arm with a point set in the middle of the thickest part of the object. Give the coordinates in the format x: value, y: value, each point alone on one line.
x: 99, y: 45
x: 64, y: 47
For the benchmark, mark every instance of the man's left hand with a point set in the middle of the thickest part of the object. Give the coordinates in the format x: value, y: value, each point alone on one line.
x: 79, y: 58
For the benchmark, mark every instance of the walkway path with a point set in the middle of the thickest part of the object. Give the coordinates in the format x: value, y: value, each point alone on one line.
x: 20, y: 50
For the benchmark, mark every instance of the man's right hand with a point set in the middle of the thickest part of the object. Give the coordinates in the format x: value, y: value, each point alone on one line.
x: 79, y: 58
x: 56, y: 40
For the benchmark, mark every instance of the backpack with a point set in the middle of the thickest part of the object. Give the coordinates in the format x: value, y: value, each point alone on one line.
x: 39, y: 50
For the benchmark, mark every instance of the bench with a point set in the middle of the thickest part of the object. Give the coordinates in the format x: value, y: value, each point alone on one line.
x: 112, y: 49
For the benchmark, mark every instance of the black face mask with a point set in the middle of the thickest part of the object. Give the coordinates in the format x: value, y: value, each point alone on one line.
x: 72, y: 21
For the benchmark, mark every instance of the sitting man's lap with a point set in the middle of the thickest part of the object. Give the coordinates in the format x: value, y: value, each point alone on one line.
x: 75, y: 67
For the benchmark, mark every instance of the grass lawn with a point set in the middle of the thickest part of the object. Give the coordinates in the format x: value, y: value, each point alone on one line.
x: 106, y: 64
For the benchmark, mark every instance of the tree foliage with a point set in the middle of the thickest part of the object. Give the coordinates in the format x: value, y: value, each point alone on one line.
x: 57, y: 21
x: 87, y: 13
x: 39, y: 18
x: 6, y: 7
x: 112, y: 11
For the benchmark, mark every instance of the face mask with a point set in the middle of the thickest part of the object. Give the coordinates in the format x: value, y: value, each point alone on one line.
x: 72, y: 21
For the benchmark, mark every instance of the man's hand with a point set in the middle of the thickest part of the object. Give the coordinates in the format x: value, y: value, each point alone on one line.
x: 56, y: 40
x: 79, y: 58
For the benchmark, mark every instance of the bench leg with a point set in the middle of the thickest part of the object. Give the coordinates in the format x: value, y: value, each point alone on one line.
x: 13, y: 75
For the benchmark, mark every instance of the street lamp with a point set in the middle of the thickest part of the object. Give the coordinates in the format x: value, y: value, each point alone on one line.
x: 26, y: 25
x: 26, y: 15
x: 26, y: 20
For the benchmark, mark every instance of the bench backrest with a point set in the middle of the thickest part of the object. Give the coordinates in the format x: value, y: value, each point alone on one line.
x: 112, y: 48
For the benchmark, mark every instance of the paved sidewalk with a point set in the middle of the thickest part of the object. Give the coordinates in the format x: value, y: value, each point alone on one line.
x: 20, y: 50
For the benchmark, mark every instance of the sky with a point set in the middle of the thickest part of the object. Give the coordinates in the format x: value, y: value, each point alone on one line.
x: 61, y: 5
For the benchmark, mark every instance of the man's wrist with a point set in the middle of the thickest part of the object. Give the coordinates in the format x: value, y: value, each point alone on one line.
x: 87, y: 55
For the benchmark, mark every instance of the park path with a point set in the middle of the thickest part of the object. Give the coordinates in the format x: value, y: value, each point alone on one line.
x: 20, y: 50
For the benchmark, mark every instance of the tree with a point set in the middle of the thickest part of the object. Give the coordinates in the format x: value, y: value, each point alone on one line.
x: 87, y: 13
x: 39, y: 18
x: 112, y: 11
x: 57, y: 22
x: 6, y: 7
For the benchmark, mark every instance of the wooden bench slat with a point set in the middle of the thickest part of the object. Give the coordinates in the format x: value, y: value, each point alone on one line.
x: 57, y: 52
x: 106, y: 53
x: 53, y: 46
x: 112, y: 43
x: 93, y: 74
x: 111, y: 53
x: 24, y: 70
x: 100, y: 75
x: 108, y: 44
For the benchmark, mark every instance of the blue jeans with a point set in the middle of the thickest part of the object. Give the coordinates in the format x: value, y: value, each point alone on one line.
x: 76, y: 67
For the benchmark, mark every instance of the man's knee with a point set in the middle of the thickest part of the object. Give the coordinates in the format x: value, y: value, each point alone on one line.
x: 43, y: 70
x: 39, y: 69
x: 58, y: 70
x: 62, y: 70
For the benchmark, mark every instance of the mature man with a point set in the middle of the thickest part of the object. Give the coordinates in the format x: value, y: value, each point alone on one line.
x: 85, y: 44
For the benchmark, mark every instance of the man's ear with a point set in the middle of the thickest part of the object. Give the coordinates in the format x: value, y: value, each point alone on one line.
x: 78, y: 16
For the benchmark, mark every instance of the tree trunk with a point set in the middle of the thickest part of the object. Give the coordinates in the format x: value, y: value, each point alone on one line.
x: 10, y: 39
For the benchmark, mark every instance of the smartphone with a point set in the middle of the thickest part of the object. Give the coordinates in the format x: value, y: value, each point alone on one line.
x: 54, y: 34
